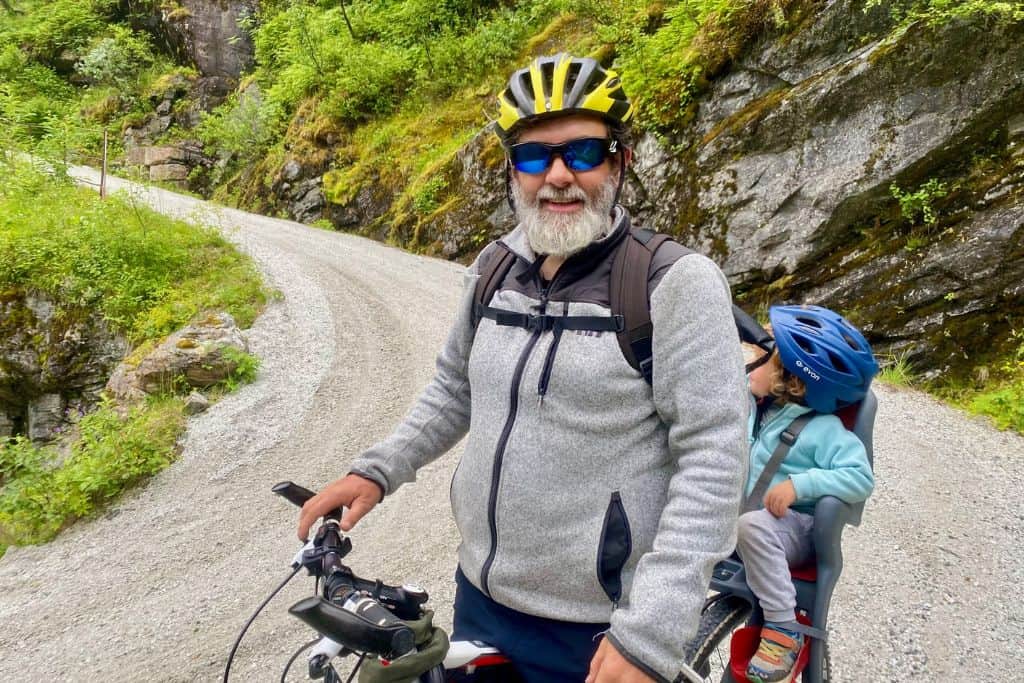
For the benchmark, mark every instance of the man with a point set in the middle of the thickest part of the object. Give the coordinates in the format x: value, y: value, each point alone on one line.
x: 588, y: 501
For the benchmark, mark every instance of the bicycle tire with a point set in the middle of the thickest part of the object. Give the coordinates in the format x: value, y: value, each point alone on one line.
x: 708, y: 652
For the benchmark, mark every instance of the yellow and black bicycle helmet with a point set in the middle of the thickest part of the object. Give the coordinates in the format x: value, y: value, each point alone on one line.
x: 559, y: 85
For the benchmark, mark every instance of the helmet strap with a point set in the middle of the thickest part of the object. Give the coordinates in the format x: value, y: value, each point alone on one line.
x: 761, y: 360
x: 508, y: 185
x: 622, y: 169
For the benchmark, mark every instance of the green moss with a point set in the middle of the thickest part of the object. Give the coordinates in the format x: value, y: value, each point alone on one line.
x: 741, y: 121
x: 564, y: 31
x: 340, y: 186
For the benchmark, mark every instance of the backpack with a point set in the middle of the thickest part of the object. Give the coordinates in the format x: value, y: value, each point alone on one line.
x: 628, y: 294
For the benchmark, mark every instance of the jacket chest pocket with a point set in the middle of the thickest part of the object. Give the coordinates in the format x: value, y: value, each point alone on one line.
x: 615, y: 546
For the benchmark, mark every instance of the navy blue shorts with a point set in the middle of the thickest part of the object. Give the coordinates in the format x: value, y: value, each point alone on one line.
x: 543, y: 650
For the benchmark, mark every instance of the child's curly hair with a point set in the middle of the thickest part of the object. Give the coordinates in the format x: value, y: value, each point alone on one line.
x: 785, y: 386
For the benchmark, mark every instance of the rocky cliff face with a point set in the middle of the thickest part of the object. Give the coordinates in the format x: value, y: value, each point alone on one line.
x: 209, y: 34
x: 787, y: 178
x: 54, y: 362
x: 791, y: 163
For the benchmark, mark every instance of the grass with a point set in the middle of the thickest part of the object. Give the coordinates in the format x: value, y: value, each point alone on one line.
x: 113, y: 452
x: 1000, y: 398
x: 1004, y: 404
x: 897, y: 371
x: 146, y: 274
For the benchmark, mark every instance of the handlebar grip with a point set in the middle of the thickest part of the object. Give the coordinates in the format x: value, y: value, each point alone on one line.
x: 293, y: 493
x: 387, y: 637
x: 298, y: 495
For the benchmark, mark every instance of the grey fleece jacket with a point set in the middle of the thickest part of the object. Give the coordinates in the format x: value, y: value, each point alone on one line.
x: 608, y: 499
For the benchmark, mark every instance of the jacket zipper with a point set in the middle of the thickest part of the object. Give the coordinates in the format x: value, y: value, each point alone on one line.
x: 499, y: 452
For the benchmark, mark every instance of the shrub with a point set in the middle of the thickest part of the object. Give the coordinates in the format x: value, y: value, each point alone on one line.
x: 245, y: 126
x: 920, y: 205
x: 115, y: 60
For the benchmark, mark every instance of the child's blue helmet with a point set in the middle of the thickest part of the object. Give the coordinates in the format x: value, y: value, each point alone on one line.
x: 826, y: 352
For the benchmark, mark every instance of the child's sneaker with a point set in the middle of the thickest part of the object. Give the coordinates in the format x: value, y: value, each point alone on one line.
x: 776, y: 655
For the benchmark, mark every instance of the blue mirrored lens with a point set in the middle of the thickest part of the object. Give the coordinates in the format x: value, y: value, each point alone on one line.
x: 585, y: 154
x: 531, y: 157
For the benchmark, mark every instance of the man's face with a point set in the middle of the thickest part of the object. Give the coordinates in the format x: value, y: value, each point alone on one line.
x: 563, y: 210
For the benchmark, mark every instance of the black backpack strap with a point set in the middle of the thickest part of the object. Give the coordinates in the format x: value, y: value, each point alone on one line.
x: 492, y: 274
x: 629, y: 297
x: 544, y: 322
x: 786, y: 440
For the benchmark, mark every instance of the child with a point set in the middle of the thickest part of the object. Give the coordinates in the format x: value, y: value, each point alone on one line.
x: 820, y: 363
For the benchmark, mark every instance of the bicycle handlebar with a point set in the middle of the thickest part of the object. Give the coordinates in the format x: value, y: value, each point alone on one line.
x: 357, y: 614
x: 361, y: 624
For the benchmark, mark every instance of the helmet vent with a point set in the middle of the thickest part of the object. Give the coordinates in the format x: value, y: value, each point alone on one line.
x: 596, y: 77
x: 571, y: 76
x: 839, y: 364
x: 805, y: 344
x: 810, y: 322
x: 526, y: 87
x: 547, y: 72
x: 851, y: 342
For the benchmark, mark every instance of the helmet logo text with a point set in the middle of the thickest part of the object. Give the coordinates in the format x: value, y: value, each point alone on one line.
x: 815, y: 376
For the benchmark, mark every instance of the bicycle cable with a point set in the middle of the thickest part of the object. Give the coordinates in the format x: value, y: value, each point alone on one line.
x: 295, y: 656
x: 234, y: 648
x: 352, y: 676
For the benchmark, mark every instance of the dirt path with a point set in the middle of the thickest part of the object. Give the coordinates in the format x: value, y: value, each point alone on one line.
x: 159, y: 586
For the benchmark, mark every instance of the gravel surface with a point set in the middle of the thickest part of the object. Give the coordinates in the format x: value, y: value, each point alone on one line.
x: 160, y: 585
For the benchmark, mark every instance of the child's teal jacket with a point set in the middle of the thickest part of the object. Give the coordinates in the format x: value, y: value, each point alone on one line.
x: 826, y: 460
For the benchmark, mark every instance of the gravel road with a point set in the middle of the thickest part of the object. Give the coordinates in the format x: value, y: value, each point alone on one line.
x: 158, y: 587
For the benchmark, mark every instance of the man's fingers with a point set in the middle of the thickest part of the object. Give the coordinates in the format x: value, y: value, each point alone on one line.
x: 315, y: 508
x: 360, y: 506
x: 306, y: 518
x: 595, y: 663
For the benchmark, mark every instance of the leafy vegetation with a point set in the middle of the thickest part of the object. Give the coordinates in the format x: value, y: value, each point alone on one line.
x: 919, y: 205
x: 1002, y: 398
x: 113, y: 452
x: 147, y: 274
x: 935, y: 12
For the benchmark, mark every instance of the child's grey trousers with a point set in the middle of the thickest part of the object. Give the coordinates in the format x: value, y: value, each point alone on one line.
x: 769, y: 546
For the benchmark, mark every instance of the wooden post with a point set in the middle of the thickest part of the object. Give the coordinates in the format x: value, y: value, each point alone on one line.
x: 103, y: 169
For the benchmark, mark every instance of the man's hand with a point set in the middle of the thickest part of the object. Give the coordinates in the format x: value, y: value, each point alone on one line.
x: 779, y: 497
x: 608, y: 666
x: 356, y: 493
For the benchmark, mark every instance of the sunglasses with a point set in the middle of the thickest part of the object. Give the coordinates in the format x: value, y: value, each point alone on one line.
x: 584, y: 154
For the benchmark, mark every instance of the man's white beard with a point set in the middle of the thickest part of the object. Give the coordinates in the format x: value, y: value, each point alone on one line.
x: 564, y: 234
